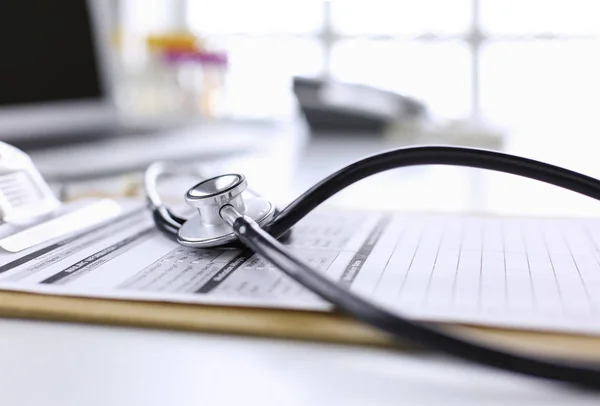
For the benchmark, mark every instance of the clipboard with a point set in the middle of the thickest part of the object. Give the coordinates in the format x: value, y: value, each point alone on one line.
x: 300, y: 325
x: 324, y: 327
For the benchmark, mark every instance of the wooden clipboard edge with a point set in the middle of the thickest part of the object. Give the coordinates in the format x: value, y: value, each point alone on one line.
x: 326, y: 327
x: 247, y: 321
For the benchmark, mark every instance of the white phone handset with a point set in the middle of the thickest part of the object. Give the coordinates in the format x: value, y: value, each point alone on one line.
x: 24, y: 194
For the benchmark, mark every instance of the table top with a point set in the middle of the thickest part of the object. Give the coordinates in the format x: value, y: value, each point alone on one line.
x: 68, y: 364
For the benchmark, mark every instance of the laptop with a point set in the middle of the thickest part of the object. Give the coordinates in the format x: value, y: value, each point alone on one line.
x: 55, y: 74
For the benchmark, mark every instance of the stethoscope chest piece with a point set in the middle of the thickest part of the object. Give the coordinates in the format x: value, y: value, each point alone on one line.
x: 207, y: 228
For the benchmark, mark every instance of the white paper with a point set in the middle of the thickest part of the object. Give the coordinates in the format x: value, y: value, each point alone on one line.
x: 515, y: 272
x: 72, y: 220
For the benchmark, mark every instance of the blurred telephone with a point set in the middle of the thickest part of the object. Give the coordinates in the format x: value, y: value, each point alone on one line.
x: 330, y: 106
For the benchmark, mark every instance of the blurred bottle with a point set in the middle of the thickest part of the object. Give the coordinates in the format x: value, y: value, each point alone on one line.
x: 201, y: 77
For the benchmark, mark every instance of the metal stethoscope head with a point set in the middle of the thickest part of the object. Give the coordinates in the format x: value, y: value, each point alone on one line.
x: 227, y: 212
x: 208, y: 228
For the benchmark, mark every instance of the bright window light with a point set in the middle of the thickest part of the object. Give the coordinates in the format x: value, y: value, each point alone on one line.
x: 255, y: 17
x: 526, y: 17
x: 408, y: 17
x: 438, y: 73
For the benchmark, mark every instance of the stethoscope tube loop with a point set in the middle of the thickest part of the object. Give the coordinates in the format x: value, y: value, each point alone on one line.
x: 431, y: 155
x: 263, y: 242
x: 397, y: 327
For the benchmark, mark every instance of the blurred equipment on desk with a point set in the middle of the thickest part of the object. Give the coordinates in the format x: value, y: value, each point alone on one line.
x: 439, y: 130
x: 58, y: 81
x: 93, y: 168
x: 24, y: 195
x: 348, y: 108
x: 29, y: 211
x: 333, y: 106
x: 55, y: 79
x: 180, y: 73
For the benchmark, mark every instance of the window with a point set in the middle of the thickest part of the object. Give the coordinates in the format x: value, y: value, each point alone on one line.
x: 491, y: 58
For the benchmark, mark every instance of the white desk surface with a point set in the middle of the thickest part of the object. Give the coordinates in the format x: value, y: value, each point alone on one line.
x: 58, y: 364
x: 67, y: 364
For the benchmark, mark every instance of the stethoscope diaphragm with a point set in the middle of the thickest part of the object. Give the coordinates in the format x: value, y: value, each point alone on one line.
x: 206, y: 228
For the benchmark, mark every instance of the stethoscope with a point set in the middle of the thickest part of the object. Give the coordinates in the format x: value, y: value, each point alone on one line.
x: 229, y: 214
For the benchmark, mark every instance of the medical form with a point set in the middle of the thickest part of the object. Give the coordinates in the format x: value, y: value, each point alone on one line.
x: 536, y: 273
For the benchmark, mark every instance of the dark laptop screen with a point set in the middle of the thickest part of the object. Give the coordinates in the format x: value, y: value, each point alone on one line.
x: 47, y: 52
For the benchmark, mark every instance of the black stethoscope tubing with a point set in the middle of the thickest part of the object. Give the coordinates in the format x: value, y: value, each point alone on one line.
x: 264, y: 243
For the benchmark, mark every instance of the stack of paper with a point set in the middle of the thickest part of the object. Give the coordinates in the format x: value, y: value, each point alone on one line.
x: 520, y: 273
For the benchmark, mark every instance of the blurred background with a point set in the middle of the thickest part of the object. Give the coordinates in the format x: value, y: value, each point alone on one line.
x: 290, y: 91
